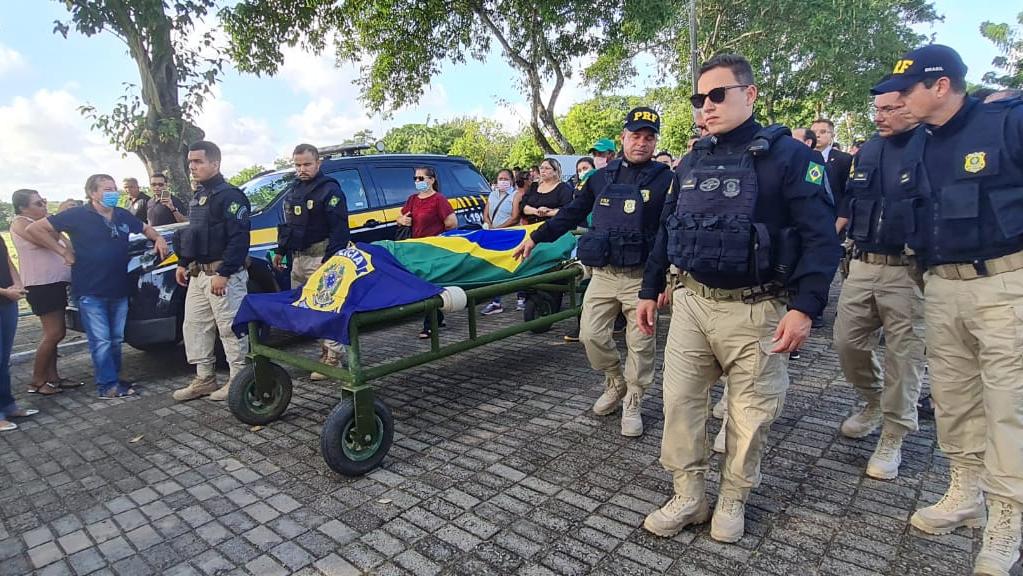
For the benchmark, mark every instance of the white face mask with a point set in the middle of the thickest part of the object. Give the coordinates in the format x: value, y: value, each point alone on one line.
x: 600, y: 162
x: 503, y: 185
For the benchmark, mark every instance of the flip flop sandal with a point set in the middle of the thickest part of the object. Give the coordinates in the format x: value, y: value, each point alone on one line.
x: 53, y: 389
x: 115, y: 393
x: 8, y: 427
x: 25, y: 413
x: 66, y: 383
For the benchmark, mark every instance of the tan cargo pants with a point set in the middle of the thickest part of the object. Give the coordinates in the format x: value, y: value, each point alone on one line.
x: 207, y: 314
x: 708, y: 339
x: 302, y: 268
x: 613, y: 290
x: 975, y: 353
x: 877, y: 296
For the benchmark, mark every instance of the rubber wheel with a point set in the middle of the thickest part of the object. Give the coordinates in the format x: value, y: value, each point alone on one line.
x: 248, y: 406
x: 541, y: 304
x: 339, y: 451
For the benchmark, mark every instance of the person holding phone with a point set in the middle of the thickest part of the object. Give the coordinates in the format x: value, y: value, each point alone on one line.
x: 165, y: 207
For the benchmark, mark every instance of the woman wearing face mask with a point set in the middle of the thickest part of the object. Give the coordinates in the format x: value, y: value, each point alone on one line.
x: 544, y: 198
x: 501, y: 211
x: 429, y: 213
x: 46, y: 278
x: 98, y: 257
x: 583, y: 168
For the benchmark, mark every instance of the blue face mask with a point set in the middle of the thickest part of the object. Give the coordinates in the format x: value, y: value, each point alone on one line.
x: 422, y: 186
x: 110, y: 199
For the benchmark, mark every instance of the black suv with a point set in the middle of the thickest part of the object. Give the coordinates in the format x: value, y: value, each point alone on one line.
x: 375, y: 186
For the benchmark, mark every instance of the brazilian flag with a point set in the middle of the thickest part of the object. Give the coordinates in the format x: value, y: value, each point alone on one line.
x: 472, y: 258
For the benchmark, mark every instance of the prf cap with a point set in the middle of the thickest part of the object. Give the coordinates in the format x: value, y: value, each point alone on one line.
x: 643, y: 117
x: 932, y: 61
x: 603, y: 145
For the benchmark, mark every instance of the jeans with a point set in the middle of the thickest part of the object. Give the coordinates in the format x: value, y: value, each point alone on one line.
x: 8, y: 325
x: 104, y: 320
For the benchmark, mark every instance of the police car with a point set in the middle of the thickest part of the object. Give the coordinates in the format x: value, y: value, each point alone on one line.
x: 375, y: 187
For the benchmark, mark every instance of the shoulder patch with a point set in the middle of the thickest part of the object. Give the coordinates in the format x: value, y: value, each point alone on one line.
x: 333, y: 201
x: 815, y: 173
x: 233, y: 207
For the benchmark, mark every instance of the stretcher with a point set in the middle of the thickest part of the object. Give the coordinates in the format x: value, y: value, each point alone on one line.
x: 359, y: 430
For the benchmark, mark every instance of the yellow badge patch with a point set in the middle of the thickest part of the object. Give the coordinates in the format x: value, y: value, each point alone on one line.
x: 605, y: 201
x: 327, y: 289
x: 298, y: 210
x: 975, y: 162
x: 630, y: 206
x: 202, y: 201
x: 646, y: 195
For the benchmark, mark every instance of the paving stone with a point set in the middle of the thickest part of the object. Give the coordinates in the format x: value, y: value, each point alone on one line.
x: 334, y: 565
x: 44, y: 554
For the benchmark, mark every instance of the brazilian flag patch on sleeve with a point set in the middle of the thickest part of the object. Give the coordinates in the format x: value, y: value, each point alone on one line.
x: 333, y: 201
x: 233, y: 208
x: 815, y: 173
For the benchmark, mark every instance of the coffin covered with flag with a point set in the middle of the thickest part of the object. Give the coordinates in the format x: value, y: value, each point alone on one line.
x: 366, y: 277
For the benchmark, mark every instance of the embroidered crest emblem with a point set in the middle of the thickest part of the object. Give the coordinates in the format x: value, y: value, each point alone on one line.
x: 202, y: 201
x: 630, y: 206
x: 732, y: 188
x: 309, y: 204
x: 646, y: 195
x: 298, y: 210
x: 710, y: 184
x: 975, y: 162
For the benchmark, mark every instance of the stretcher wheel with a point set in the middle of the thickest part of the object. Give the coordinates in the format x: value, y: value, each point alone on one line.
x: 249, y: 405
x: 350, y: 456
x: 540, y: 304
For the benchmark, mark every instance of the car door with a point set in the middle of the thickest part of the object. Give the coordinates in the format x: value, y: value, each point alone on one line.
x: 366, y: 219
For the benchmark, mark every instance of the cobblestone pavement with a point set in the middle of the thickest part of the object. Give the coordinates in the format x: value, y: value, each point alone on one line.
x: 497, y: 467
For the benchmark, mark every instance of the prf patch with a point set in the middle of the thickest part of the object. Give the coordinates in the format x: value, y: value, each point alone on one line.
x: 901, y: 66
x: 605, y: 201
x: 815, y: 173
x: 333, y: 201
x: 975, y: 162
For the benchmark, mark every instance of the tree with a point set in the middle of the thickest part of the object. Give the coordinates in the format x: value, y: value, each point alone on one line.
x: 424, y: 138
x: 1010, y: 42
x: 483, y: 143
x: 524, y: 151
x: 405, y: 43
x: 152, y: 120
x: 246, y: 174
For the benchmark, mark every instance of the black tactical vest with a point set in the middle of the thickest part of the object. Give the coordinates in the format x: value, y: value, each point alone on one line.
x: 305, y: 219
x: 712, y: 230
x: 206, y: 235
x: 874, y: 220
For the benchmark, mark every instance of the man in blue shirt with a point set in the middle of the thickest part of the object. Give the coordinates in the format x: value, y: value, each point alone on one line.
x: 98, y: 257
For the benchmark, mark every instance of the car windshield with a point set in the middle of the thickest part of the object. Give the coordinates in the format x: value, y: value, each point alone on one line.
x: 263, y: 189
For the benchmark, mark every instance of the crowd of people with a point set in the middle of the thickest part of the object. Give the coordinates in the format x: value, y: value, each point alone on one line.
x: 741, y: 237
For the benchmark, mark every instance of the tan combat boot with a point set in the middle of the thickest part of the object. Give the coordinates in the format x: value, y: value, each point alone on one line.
x: 614, y: 391
x: 884, y: 462
x: 220, y: 394
x: 197, y: 388
x: 962, y: 505
x: 678, y: 513
x: 324, y: 359
x: 1001, y: 538
x: 729, y: 521
x: 632, y: 417
x: 863, y: 422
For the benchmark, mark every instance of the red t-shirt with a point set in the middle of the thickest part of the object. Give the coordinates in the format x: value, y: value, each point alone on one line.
x: 428, y: 214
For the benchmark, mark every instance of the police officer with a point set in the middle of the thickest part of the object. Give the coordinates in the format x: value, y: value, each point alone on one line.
x: 315, y: 227
x: 750, y: 224
x: 962, y: 188
x: 212, y: 254
x: 626, y: 198
x: 880, y: 292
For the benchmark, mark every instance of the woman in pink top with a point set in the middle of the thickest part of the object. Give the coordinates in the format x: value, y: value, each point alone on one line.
x: 46, y: 277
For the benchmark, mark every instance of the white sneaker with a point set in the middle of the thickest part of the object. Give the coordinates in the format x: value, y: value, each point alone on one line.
x: 632, y: 417
x: 962, y: 505
x: 492, y: 308
x: 729, y: 521
x: 884, y: 463
x: 678, y: 513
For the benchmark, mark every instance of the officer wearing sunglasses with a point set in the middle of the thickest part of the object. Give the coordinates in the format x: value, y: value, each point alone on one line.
x: 752, y: 230
x: 626, y: 198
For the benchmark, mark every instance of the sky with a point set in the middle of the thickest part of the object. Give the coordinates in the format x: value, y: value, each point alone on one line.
x: 46, y: 144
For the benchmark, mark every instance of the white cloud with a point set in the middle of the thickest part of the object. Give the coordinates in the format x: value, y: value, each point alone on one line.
x: 10, y: 59
x: 48, y: 145
x: 243, y: 140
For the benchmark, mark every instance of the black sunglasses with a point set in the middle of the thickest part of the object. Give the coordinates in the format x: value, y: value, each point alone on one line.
x: 419, y: 178
x: 716, y: 95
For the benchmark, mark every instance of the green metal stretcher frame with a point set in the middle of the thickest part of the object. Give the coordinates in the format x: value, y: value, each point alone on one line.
x: 365, y: 435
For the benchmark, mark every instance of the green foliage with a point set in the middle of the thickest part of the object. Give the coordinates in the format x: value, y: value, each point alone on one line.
x: 483, y: 143
x: 1009, y: 42
x: 6, y: 213
x: 524, y: 151
x: 596, y: 118
x: 424, y: 138
x: 246, y: 174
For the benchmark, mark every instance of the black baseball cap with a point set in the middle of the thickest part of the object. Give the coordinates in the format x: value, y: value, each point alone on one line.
x: 932, y: 61
x: 643, y: 117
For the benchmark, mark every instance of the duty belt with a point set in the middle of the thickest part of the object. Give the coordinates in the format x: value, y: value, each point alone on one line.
x: 884, y: 259
x: 210, y: 269
x: 318, y: 250
x: 750, y: 295
x: 979, y: 268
